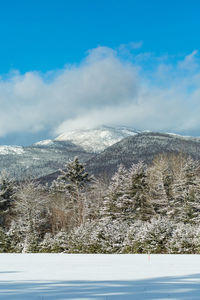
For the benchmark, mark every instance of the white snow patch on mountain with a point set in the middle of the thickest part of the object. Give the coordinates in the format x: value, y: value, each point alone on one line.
x: 5, y: 150
x: 44, y: 143
x: 97, y: 139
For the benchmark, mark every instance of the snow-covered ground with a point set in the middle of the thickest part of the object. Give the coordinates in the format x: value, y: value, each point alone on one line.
x: 105, y: 277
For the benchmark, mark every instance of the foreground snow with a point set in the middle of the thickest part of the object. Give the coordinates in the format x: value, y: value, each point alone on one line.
x: 106, y: 277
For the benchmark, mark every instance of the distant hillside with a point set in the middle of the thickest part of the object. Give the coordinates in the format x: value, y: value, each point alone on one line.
x: 143, y: 146
x: 37, y: 161
x: 45, y: 157
x: 93, y: 140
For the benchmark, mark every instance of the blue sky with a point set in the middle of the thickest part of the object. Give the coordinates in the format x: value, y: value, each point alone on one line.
x: 47, y: 34
x: 51, y: 51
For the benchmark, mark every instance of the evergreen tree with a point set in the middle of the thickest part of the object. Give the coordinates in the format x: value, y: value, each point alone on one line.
x: 106, y: 236
x: 159, y: 181
x: 5, y: 245
x: 149, y: 237
x: 140, y: 206
x: 54, y: 243
x: 74, y: 177
x: 128, y: 195
x: 72, y: 185
x: 184, y: 239
x: 6, y: 194
x: 116, y: 201
x: 186, y: 192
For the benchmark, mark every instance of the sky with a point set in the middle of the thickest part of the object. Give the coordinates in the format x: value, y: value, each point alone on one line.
x: 79, y: 64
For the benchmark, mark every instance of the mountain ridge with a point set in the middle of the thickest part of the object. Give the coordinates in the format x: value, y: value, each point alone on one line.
x: 109, y: 146
x: 47, y: 156
x: 94, y: 139
x: 144, y: 146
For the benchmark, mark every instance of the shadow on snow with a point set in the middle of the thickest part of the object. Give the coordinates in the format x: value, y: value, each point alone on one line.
x: 184, y: 287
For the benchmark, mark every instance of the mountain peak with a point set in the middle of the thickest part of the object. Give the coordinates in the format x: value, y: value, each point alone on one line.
x: 96, y: 139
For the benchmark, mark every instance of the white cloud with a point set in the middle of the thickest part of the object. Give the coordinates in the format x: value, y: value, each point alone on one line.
x: 103, y: 89
x: 127, y: 48
x: 190, y: 61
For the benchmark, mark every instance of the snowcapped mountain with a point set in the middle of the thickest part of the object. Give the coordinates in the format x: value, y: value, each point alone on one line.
x: 144, y: 146
x: 47, y: 156
x: 92, y: 140
x: 102, y: 149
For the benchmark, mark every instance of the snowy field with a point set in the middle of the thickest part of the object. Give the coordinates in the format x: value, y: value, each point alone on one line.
x: 106, y: 277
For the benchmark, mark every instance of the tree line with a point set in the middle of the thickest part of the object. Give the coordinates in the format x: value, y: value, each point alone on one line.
x: 154, y: 209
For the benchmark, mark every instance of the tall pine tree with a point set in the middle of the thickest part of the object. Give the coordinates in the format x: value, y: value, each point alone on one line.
x: 116, y: 200
x: 73, y: 183
x: 6, y: 194
x: 141, y: 207
x: 186, y: 192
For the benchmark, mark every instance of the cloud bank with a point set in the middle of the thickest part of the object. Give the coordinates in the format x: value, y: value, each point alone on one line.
x: 142, y: 91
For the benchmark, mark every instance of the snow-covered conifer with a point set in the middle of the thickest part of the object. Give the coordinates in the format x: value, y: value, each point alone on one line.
x: 139, y: 206
x: 85, y: 239
x: 185, y: 239
x: 74, y: 177
x: 106, y: 236
x: 4, y: 242
x: 159, y: 185
x: 128, y: 195
x: 69, y: 189
x: 54, y: 243
x: 149, y: 237
x: 112, y: 234
x: 16, y: 235
x: 6, y: 193
x: 117, y: 200
x: 186, y: 192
